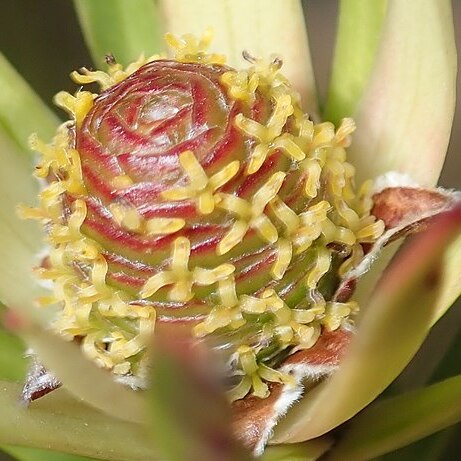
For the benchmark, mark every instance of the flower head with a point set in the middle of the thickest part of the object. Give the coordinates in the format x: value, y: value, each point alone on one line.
x: 192, y: 193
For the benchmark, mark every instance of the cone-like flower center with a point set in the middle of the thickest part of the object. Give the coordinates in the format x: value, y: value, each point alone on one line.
x: 190, y: 193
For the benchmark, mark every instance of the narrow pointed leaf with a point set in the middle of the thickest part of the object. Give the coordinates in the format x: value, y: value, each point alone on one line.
x: 451, y: 285
x: 437, y: 359
x: 123, y: 29
x: 431, y: 448
x: 21, y: 240
x: 450, y: 364
x: 254, y: 26
x: 357, y: 39
x: 12, y: 361
x: 29, y: 454
x: 452, y: 444
x: 60, y: 423
x: 404, y: 119
x: 398, y: 421
x: 306, y: 451
x: 392, y: 328
x: 189, y: 415
x: 21, y: 110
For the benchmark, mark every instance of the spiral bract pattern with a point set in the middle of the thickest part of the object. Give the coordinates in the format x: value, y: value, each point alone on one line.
x: 191, y: 193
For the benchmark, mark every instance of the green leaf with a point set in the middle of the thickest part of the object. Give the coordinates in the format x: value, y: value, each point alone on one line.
x: 21, y: 240
x: 123, y: 29
x: 254, y: 26
x: 431, y: 448
x: 392, y: 327
x: 21, y: 110
x: 58, y: 422
x: 189, y: 414
x: 438, y: 358
x: 434, y: 363
x: 398, y: 421
x: 452, y: 444
x: 450, y: 364
x: 451, y: 284
x: 12, y: 362
x: 33, y: 454
x: 405, y: 117
x: 357, y: 40
x: 306, y: 451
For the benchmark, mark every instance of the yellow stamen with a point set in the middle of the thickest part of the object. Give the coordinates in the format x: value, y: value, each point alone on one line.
x: 284, y: 254
x: 127, y: 216
x: 159, y: 226
x: 200, y: 188
x: 189, y: 49
x: 321, y: 266
x: 77, y: 106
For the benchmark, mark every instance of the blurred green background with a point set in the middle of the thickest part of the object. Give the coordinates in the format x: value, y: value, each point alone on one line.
x: 43, y: 41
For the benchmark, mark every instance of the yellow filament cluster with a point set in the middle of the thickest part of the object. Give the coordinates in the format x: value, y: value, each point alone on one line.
x: 293, y: 327
x: 263, y: 75
x: 267, y: 135
x: 241, y: 85
x: 255, y: 375
x: 189, y: 48
x: 129, y: 218
x: 300, y: 328
x: 250, y: 215
x: 115, y: 73
x: 318, y: 151
x: 180, y: 278
x: 90, y: 308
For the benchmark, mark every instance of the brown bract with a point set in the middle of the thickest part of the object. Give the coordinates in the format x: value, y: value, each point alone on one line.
x: 398, y: 205
x: 253, y: 419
